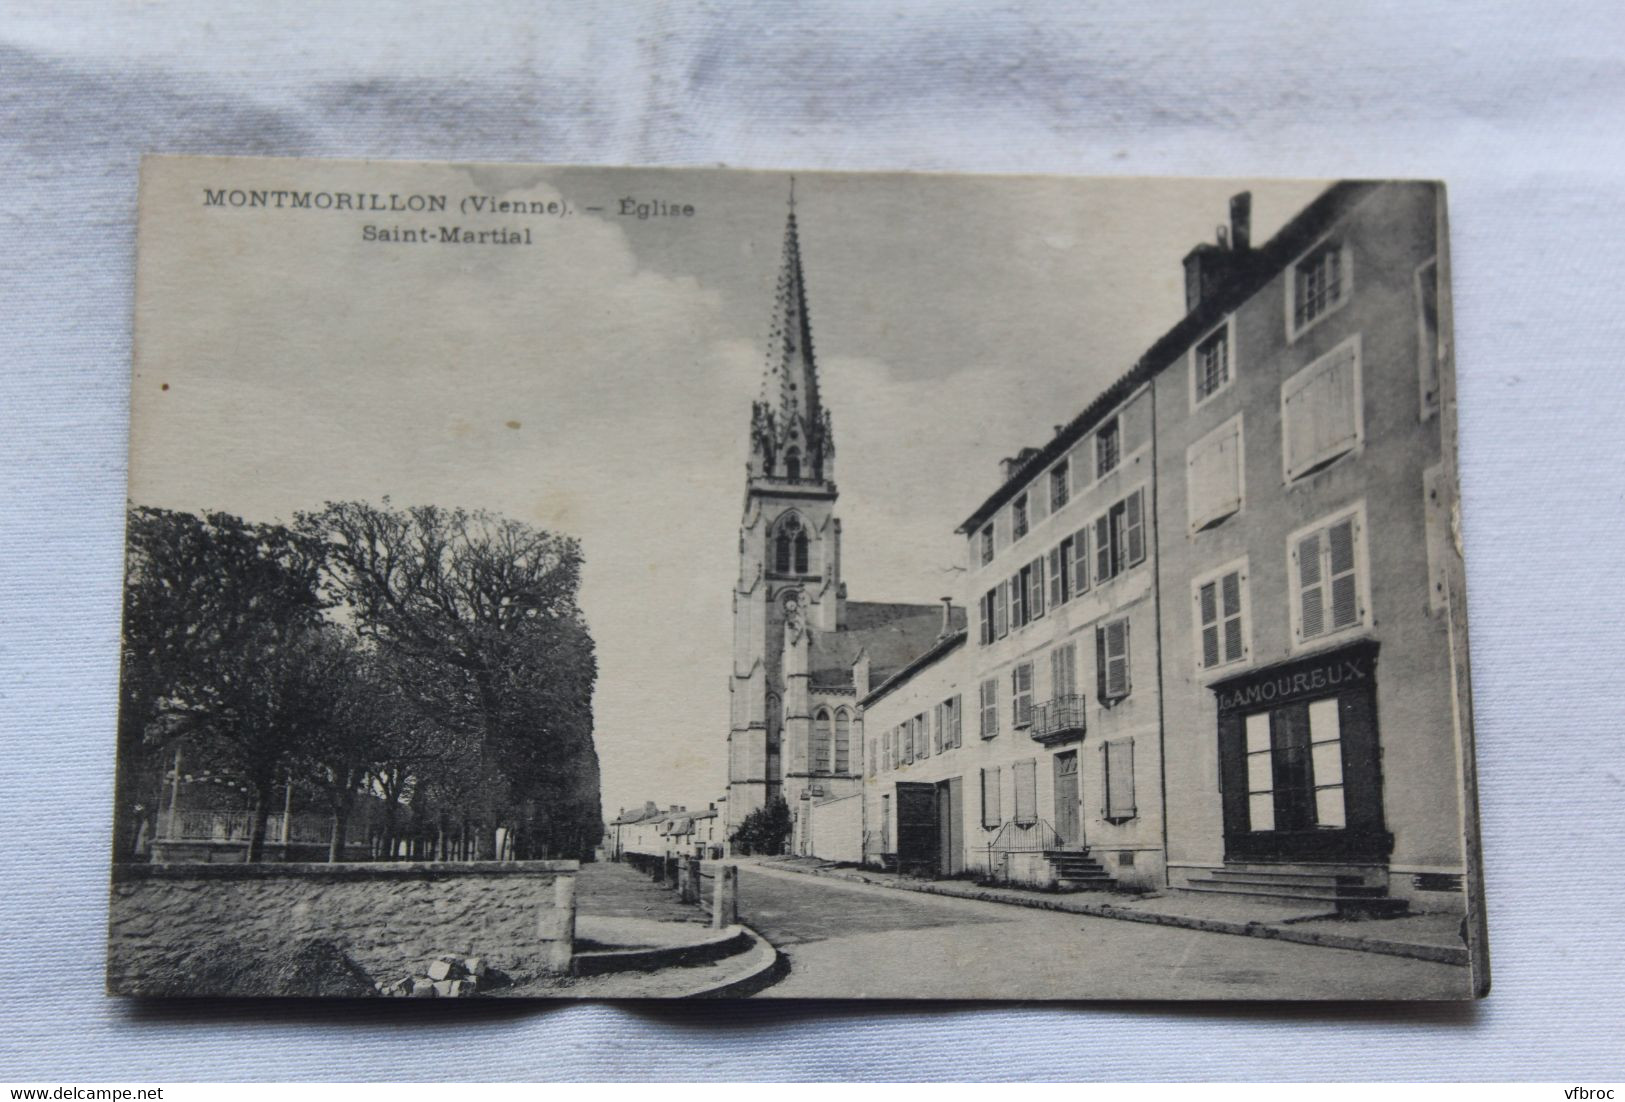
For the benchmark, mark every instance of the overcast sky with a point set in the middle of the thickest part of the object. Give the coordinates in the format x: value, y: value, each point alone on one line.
x: 599, y: 381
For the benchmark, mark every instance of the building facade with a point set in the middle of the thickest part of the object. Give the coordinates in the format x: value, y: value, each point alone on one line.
x: 1185, y: 598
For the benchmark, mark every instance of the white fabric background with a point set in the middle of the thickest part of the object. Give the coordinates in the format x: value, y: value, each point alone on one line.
x: 1518, y: 106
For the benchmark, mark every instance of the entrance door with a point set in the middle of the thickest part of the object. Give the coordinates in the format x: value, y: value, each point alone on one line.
x: 917, y: 827
x: 1068, y: 823
x: 950, y: 827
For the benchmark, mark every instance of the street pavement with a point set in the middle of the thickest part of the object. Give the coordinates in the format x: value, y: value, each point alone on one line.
x: 847, y: 940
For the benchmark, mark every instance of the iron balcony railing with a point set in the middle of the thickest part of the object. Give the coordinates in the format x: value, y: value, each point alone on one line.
x: 1058, y: 719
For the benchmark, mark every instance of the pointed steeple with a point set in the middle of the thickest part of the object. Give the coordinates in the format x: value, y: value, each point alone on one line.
x: 790, y: 429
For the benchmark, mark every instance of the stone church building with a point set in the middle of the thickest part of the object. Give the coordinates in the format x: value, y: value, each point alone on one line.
x: 804, y: 655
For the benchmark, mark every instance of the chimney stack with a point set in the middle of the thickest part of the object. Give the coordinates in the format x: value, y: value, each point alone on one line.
x: 1241, y: 221
x: 1207, y: 267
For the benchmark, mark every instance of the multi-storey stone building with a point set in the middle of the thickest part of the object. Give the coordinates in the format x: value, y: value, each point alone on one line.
x: 1182, y: 598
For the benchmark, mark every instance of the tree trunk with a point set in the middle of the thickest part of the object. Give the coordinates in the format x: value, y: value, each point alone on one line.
x: 335, y: 844
x: 262, y: 813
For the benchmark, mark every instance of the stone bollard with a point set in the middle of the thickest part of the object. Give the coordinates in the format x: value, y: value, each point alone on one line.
x: 691, y: 880
x: 558, y: 926
x: 726, y: 910
x: 668, y: 868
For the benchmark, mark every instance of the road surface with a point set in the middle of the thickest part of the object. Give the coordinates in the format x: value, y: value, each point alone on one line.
x: 847, y: 940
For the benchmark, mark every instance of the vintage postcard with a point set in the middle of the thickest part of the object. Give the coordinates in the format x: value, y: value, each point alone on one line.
x: 613, y: 582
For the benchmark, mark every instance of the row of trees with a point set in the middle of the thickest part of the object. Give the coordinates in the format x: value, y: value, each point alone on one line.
x: 432, y: 662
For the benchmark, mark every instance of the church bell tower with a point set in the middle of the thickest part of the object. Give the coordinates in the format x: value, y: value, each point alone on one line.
x: 789, y: 546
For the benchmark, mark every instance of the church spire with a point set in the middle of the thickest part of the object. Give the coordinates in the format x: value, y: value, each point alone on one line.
x: 790, y: 429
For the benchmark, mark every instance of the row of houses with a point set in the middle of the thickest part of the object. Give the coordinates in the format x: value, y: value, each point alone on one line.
x: 652, y: 831
x: 1204, y: 638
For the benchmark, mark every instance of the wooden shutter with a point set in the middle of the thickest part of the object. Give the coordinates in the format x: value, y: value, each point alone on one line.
x: 1080, y: 560
x: 1018, y: 611
x: 1111, y: 651
x: 991, y: 815
x: 1320, y: 408
x: 1103, y: 548
x: 1119, y: 757
x: 1025, y: 776
x: 1207, y: 603
x: 1230, y: 613
x: 1213, y: 477
x: 1134, y: 526
x: 1057, y: 576
x: 1001, y: 616
x: 1311, y: 603
x: 1345, y: 602
x: 1035, y: 588
x: 958, y: 711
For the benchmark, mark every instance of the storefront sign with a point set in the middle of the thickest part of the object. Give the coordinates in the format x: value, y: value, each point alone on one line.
x: 1318, y: 676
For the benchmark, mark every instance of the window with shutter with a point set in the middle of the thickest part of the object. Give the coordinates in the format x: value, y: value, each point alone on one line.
x: 922, y: 736
x: 1427, y: 325
x: 937, y: 729
x: 992, y: 817
x: 1063, y: 670
x: 1021, y: 695
x: 1018, y: 602
x: 1221, y: 618
x: 1024, y: 774
x: 1056, y: 573
x: 1321, y: 413
x: 1213, y: 476
x: 885, y: 750
x: 990, y: 707
x: 1111, y: 658
x: 957, y: 711
x: 1328, y: 573
x: 1078, y: 568
x: 1104, y: 560
x: 1119, y: 768
x: 1001, y: 620
x: 1134, y: 527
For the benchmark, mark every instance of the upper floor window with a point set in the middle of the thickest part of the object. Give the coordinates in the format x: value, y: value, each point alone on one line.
x: 1018, y: 517
x: 1119, y: 786
x: 1060, y: 487
x: 989, y: 701
x: 1108, y: 448
x: 1221, y: 617
x: 1328, y: 574
x: 1427, y: 327
x: 1024, y: 774
x: 1213, y: 475
x: 1321, y: 415
x: 792, y: 465
x: 1021, y: 695
x: 1063, y: 671
x: 1120, y: 537
x: 1319, y: 284
x: 1210, y: 365
x: 1111, y: 662
x: 987, y: 544
x: 992, y: 817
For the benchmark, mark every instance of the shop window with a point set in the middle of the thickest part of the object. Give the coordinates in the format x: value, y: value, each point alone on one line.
x: 1328, y: 578
x: 1221, y: 618
x: 1321, y: 418
x: 1119, y: 768
x: 1024, y: 774
x: 992, y: 816
x: 1213, y: 476
x: 990, y: 707
x: 1111, y: 660
x: 1021, y: 695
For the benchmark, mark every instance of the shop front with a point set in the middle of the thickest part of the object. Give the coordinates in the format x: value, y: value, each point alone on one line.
x: 1300, y: 762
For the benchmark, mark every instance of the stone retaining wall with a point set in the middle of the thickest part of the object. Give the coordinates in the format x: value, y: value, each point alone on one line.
x: 390, y: 918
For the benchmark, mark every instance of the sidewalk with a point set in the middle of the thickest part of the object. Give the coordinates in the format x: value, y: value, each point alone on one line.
x: 1431, y: 937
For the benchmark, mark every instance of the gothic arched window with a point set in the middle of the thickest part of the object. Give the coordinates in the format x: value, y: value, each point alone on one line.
x: 843, y: 742
x: 821, y: 742
x: 792, y: 465
x: 790, y: 547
